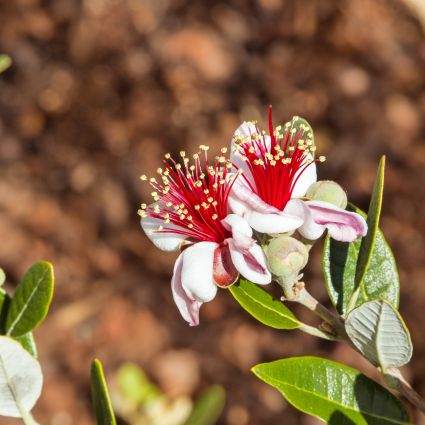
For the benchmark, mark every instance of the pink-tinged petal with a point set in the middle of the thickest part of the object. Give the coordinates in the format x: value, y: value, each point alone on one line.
x: 273, y: 223
x: 197, y: 271
x: 309, y: 229
x: 224, y: 272
x: 162, y: 240
x: 243, y: 193
x: 251, y: 264
x: 305, y: 180
x: 342, y: 225
x: 188, y: 307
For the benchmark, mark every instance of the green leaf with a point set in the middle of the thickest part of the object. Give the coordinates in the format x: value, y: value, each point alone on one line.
x: 100, y: 396
x: 368, y: 242
x: 332, y: 392
x: 28, y: 342
x: 4, y: 307
x: 339, y: 267
x: 261, y: 305
x: 208, y: 407
x: 135, y: 386
x: 5, y: 62
x: 2, y: 277
x: 380, y: 334
x: 31, y: 301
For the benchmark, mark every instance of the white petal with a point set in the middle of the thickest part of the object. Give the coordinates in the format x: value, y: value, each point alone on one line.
x: 244, y: 130
x: 273, y: 223
x: 188, y: 307
x: 307, y: 178
x: 197, y: 271
x: 164, y: 241
x: 252, y: 266
x: 237, y: 224
x: 236, y: 205
x: 309, y: 228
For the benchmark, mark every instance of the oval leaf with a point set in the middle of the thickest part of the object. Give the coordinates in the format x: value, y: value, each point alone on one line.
x: 31, y: 301
x: 100, y: 396
x: 21, y: 379
x: 208, y: 407
x: 339, y: 267
x: 378, y: 331
x: 261, y: 305
x: 330, y: 391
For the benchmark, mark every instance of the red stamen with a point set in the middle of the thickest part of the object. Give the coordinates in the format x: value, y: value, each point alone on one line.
x: 276, y: 163
x: 192, y: 199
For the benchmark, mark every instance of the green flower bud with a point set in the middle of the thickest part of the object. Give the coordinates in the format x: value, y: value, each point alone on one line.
x: 328, y: 191
x: 286, y: 257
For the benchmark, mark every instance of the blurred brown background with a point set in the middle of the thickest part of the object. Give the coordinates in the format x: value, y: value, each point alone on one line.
x: 100, y: 89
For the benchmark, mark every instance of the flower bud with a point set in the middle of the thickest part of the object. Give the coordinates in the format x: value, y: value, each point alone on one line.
x: 286, y: 257
x: 328, y: 191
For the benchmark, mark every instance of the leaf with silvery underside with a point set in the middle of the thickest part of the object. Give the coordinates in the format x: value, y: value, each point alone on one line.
x: 380, y: 334
x: 335, y: 393
x: 21, y: 379
x: 381, y: 279
x: 31, y: 301
x: 261, y: 305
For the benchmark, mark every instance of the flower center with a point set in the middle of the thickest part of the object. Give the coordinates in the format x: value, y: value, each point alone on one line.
x: 191, y: 199
x: 276, y: 161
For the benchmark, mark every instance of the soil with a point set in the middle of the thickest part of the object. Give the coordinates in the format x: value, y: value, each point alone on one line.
x: 99, y: 90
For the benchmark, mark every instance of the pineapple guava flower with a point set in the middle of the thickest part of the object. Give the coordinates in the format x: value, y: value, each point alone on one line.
x: 190, y: 213
x: 276, y: 172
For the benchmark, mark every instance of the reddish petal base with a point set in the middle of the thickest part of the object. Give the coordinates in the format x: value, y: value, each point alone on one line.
x: 224, y: 272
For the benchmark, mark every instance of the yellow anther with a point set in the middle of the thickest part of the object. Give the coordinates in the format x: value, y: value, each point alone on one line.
x: 210, y: 199
x: 190, y: 225
x: 178, y: 166
x: 214, y: 216
x: 322, y: 158
x: 197, y: 207
x: 143, y: 177
x: 182, y: 154
x: 223, y: 150
x: 167, y: 156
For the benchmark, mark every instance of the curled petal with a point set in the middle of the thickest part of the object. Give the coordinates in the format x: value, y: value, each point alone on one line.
x: 309, y: 229
x: 197, y: 271
x: 188, y: 307
x: 166, y: 241
x: 342, y: 225
x: 251, y: 264
x: 305, y: 180
x: 281, y: 222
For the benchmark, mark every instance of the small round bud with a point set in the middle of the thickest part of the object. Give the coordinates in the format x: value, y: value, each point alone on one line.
x: 286, y: 257
x: 328, y: 191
